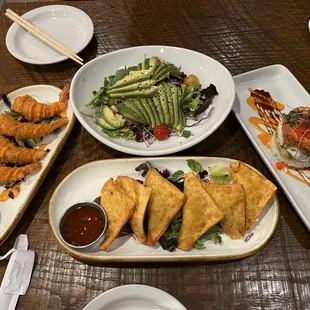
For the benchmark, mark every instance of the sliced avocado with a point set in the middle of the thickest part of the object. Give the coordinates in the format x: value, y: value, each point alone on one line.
x: 164, y: 104
x: 132, y: 78
x: 166, y: 71
x: 132, y: 87
x: 182, y: 120
x: 145, y: 64
x: 137, y: 102
x: 114, y: 120
x: 130, y: 103
x: 129, y: 113
x: 149, y: 92
x: 133, y: 68
x: 154, y: 62
x: 170, y: 102
x: 103, y: 124
x: 159, y: 108
x: 176, y: 103
x: 154, y: 110
x: 149, y: 111
x: 159, y: 68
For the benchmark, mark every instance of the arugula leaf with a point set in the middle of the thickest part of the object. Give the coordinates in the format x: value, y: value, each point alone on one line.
x: 213, y: 235
x: 199, y: 246
x: 194, y: 165
x: 177, y: 176
x: 100, y: 98
x: 121, y: 132
x: 174, y: 228
x: 120, y: 74
x: 186, y: 133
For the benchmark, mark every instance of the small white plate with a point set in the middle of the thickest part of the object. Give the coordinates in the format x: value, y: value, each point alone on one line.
x: 135, y: 297
x: 284, y: 88
x: 85, y: 183
x: 12, y: 210
x: 65, y: 24
x: 91, y: 76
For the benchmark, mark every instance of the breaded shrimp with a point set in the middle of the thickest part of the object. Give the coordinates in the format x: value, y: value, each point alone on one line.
x: 12, y: 154
x: 10, y: 127
x: 30, y: 109
x: 10, y: 175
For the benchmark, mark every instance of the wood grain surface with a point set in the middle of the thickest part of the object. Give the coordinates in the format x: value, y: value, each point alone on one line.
x: 242, y: 35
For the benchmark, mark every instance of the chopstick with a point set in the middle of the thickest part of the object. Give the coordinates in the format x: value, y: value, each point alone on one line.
x: 44, y: 37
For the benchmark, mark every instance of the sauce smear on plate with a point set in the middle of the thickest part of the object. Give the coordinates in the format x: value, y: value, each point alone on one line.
x: 12, y: 192
x: 82, y: 225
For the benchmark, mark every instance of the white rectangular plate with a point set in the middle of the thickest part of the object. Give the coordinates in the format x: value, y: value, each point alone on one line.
x: 84, y: 184
x: 12, y: 210
x: 284, y: 88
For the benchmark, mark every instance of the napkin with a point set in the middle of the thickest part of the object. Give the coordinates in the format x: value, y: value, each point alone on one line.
x: 18, y: 273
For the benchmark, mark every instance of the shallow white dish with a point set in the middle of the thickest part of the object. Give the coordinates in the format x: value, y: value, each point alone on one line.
x: 91, y: 76
x: 134, y: 297
x: 84, y: 184
x: 67, y: 25
x: 284, y: 88
x: 12, y: 210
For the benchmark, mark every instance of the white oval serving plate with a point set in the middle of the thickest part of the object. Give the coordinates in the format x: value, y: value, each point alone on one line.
x: 12, y: 210
x: 91, y: 76
x: 134, y: 297
x: 85, y: 183
x: 65, y: 24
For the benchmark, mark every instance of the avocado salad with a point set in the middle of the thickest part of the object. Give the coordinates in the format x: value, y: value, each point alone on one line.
x: 150, y: 101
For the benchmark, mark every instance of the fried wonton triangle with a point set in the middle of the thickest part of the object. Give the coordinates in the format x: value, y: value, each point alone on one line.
x: 165, y: 202
x: 258, y: 190
x: 118, y: 207
x: 230, y: 198
x: 140, y: 194
x: 200, y: 213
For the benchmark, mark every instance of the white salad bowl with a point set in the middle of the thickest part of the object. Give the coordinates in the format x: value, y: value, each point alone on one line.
x: 90, y: 78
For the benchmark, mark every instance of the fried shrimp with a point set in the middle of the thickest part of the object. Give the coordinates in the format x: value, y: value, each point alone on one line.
x: 13, y: 128
x: 31, y: 110
x: 12, y: 154
x: 12, y: 174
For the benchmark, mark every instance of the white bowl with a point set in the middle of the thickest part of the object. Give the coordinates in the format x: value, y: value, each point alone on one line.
x: 91, y: 76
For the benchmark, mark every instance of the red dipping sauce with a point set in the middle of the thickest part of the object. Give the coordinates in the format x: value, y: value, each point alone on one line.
x: 82, y: 224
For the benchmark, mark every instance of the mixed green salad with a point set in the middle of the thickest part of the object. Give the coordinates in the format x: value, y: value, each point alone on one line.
x: 215, y: 174
x: 152, y: 100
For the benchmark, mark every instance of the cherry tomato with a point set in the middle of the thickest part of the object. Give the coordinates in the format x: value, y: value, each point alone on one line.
x: 161, y: 132
x: 192, y: 79
x: 280, y: 165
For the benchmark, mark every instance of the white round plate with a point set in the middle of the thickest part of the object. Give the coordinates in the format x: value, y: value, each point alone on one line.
x: 91, y: 76
x: 65, y: 24
x: 135, y: 297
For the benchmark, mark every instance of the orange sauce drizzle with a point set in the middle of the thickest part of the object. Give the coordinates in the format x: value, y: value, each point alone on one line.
x: 43, y: 146
x: 269, y: 115
x: 14, y: 190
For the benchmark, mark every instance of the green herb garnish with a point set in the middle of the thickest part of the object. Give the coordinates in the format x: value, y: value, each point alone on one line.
x: 194, y: 165
x: 186, y: 133
x: 177, y: 176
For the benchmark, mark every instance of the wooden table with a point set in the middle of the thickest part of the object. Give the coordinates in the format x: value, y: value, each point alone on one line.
x: 242, y: 35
